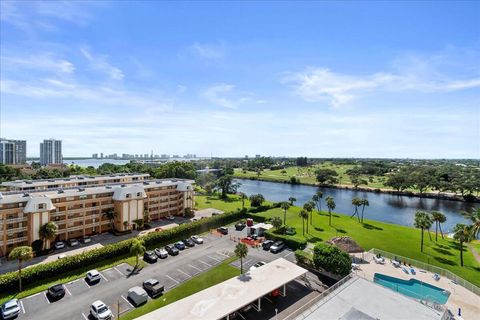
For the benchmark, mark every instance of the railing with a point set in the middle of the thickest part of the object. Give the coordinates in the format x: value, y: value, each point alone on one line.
x: 428, y: 267
x: 14, y: 220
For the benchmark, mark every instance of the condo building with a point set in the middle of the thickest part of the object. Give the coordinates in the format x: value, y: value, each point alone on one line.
x: 51, y: 152
x: 84, y: 211
x: 13, y: 151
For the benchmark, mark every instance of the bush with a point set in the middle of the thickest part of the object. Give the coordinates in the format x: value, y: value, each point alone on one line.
x: 331, y: 259
x: 259, y: 209
x: 304, y: 259
x: 290, y: 242
x: 9, y: 281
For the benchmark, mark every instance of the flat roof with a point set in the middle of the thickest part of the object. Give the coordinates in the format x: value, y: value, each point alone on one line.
x: 224, y: 298
x: 362, y: 299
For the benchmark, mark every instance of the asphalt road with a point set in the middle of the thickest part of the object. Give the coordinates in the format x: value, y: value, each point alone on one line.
x: 112, y: 288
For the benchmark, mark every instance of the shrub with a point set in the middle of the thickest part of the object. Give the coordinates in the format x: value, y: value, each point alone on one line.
x: 259, y: 209
x: 331, y: 259
x: 292, y: 243
x: 256, y: 200
x: 304, y: 258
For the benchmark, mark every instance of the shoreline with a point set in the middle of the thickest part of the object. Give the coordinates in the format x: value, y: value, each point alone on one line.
x: 430, y: 195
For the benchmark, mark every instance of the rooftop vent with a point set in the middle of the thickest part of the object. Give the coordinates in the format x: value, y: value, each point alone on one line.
x: 81, y: 189
x: 146, y: 183
x: 51, y: 180
x: 61, y: 191
x: 28, y: 182
x: 123, y: 185
x: 108, y: 187
x: 26, y: 194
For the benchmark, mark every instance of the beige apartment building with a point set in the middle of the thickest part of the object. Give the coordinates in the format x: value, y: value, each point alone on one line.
x: 82, y: 211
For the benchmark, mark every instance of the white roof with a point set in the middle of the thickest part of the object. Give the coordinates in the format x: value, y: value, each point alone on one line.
x: 134, y: 192
x: 226, y: 297
x: 262, y: 225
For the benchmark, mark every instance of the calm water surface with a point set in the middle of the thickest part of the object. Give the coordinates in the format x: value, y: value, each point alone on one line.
x: 383, y: 207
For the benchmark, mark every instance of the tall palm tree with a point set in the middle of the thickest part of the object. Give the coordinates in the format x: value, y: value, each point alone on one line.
x: 364, y: 203
x: 304, y: 216
x: 292, y: 200
x: 48, y: 232
x: 331, y: 206
x: 422, y: 221
x: 474, y: 216
x: 315, y: 200
x: 110, y: 214
x: 320, y: 196
x: 137, y: 248
x: 22, y: 254
x: 438, y: 218
x: 241, y: 251
x: 285, y: 206
x: 243, y: 196
x: 356, y: 202
x: 462, y: 233
x: 309, y: 208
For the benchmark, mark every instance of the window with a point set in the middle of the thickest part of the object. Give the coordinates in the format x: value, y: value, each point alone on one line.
x: 41, y: 206
x: 128, y: 195
x: 139, y: 194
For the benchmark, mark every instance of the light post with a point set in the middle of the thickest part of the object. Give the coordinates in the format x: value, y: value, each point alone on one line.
x: 276, y: 313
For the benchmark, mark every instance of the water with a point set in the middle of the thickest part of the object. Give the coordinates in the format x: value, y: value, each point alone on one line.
x: 413, y: 288
x: 94, y: 162
x: 383, y: 206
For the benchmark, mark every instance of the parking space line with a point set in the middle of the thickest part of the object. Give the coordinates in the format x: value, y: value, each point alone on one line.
x: 68, y: 291
x: 205, y: 263
x: 118, y: 271
x: 291, y: 252
x: 46, y: 298
x: 223, y: 254
x: 172, y: 279
x: 84, y: 316
x: 184, y: 273
x: 213, y: 258
x: 73, y: 281
x: 103, y: 276
x: 131, y: 305
x: 195, y: 268
x: 85, y: 281
x: 33, y: 295
x: 23, y: 308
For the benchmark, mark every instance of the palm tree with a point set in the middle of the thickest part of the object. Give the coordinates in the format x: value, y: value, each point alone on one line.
x: 137, y: 248
x: 438, y: 218
x: 356, y: 202
x: 320, y: 196
x: 304, y: 215
x: 22, y: 254
x: 309, y: 208
x: 110, y: 214
x: 474, y: 216
x: 276, y: 223
x: 241, y: 251
x: 146, y: 217
x: 292, y: 200
x: 364, y: 203
x: 462, y: 233
x: 243, y: 196
x: 315, y: 200
x: 331, y: 206
x: 285, y: 206
x: 422, y: 221
x: 48, y: 232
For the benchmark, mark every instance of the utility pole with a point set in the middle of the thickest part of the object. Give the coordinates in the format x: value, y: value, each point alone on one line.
x: 118, y: 308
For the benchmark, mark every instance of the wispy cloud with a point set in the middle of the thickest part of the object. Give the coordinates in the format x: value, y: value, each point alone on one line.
x: 226, y: 95
x: 100, y: 63
x: 209, y: 51
x: 47, y: 62
x: 416, y: 75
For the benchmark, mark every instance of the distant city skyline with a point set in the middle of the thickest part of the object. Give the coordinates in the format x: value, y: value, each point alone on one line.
x: 315, y: 79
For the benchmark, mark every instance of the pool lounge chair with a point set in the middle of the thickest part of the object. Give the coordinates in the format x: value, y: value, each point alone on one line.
x: 436, y: 276
x: 412, y: 271
x: 405, y: 270
x: 355, y: 266
x: 379, y: 260
x: 395, y: 263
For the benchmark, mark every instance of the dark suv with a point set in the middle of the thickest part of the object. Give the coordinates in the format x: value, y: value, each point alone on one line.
x: 240, y: 225
x: 189, y: 242
x: 56, y: 292
x: 223, y: 230
x: 150, y: 256
x: 267, y: 244
x: 171, y: 250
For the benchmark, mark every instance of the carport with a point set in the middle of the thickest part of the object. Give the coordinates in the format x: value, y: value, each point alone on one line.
x: 229, y: 296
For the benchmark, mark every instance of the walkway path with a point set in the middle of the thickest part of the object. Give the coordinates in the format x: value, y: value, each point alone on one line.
x: 474, y: 252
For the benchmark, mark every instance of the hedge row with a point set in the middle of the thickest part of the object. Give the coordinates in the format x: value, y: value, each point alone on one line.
x: 9, y: 281
x: 290, y: 242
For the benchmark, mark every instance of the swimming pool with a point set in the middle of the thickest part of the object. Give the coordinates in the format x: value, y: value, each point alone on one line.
x: 413, y: 288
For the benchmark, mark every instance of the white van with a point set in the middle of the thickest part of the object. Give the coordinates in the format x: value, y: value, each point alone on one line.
x: 137, y: 295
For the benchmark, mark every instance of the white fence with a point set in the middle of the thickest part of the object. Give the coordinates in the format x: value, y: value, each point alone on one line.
x: 428, y: 267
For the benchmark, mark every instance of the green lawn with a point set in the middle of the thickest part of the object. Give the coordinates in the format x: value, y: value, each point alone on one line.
x: 220, y: 273
x: 232, y: 203
x: 44, y: 284
x: 393, y: 238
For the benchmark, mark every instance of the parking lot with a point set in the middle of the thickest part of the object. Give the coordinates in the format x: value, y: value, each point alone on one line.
x: 171, y: 272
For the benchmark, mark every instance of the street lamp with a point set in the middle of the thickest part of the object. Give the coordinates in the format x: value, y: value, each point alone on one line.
x: 276, y: 313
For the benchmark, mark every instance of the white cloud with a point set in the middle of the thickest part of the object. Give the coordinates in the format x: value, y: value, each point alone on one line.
x: 100, y: 63
x: 217, y: 95
x: 209, y: 51
x: 42, y: 62
x: 413, y: 74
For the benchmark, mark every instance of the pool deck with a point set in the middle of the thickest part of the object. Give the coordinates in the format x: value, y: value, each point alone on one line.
x: 459, y: 297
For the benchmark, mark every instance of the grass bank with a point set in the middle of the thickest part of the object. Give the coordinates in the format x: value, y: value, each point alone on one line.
x: 220, y: 273
x: 401, y: 240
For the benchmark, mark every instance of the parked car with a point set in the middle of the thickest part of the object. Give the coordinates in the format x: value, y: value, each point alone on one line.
x: 137, y: 295
x: 197, y: 239
x: 59, y: 245
x: 150, y: 256
x: 277, y: 247
x: 93, y: 276
x: 56, y: 292
x: 153, y: 287
x: 100, y: 311
x: 180, y: 245
x: 61, y: 256
x: 223, y: 230
x: 73, y: 242
x: 86, y: 239
x: 161, y: 253
x: 170, y: 217
x: 10, y: 309
x: 257, y: 265
x: 172, y: 250
x: 189, y: 242
x: 240, y: 225
x: 267, y: 244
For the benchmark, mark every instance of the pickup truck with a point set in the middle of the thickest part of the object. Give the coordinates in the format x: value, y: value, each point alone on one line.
x: 153, y: 287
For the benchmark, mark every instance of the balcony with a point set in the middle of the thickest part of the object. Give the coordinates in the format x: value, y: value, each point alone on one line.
x: 77, y: 210
x: 19, y: 229
x: 75, y: 219
x: 15, y: 220
x: 16, y: 240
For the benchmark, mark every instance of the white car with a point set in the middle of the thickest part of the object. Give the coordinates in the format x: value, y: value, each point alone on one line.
x: 257, y: 265
x: 197, y: 239
x: 93, y: 276
x: 100, y: 311
x: 161, y: 253
x: 170, y: 217
x: 10, y: 309
x: 59, y: 245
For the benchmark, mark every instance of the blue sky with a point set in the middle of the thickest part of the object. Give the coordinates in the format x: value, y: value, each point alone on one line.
x: 339, y: 79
